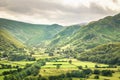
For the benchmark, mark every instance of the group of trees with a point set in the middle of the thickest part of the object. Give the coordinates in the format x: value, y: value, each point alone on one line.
x: 5, y: 66
x: 85, y: 73
x: 8, y: 66
x: 108, y: 54
x: 31, y: 70
x: 79, y: 74
x: 11, y: 71
x: 19, y: 57
x: 28, y: 71
x: 103, y: 72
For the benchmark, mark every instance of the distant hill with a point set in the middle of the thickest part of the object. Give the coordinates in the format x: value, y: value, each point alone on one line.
x: 30, y: 34
x: 93, y: 34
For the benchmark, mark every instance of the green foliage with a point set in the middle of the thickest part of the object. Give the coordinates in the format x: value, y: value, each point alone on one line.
x: 96, y: 72
x: 103, y: 53
x: 106, y: 72
x: 29, y: 70
x: 51, y: 54
x: 30, y: 34
x: 96, y: 77
x: 89, y: 36
x: 70, y: 61
x: 10, y: 48
x: 80, y: 67
x: 64, y: 35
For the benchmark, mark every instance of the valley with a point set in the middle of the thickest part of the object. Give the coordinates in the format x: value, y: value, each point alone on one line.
x: 55, y: 52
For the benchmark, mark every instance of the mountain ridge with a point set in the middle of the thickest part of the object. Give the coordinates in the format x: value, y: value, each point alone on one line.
x: 26, y: 32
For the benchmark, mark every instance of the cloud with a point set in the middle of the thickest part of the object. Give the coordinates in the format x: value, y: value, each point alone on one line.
x: 57, y: 11
x: 115, y: 1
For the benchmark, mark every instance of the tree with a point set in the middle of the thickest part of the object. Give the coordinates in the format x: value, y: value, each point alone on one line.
x: 106, y: 72
x: 96, y: 66
x: 70, y: 61
x: 6, y: 78
x: 96, y: 77
x: 31, y: 53
x: 86, y: 66
x: 87, y: 71
x: 80, y: 67
x: 51, y: 54
x: 96, y: 72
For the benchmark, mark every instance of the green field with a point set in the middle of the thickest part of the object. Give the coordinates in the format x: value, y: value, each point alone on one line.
x: 17, y: 63
x: 21, y: 64
x: 50, y: 68
x: 75, y: 63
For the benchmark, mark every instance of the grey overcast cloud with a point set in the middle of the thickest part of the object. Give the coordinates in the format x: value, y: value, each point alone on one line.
x: 64, y: 12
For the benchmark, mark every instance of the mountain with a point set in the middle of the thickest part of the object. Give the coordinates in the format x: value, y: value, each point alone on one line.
x: 106, y: 53
x: 30, y: 34
x: 93, y: 34
x: 8, y: 43
x: 64, y: 35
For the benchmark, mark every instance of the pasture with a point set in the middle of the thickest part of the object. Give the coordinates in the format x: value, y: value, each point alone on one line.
x: 50, y: 69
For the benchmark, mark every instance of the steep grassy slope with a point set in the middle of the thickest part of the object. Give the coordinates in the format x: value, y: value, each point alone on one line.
x: 8, y: 43
x: 95, y: 33
x: 31, y: 34
x: 64, y: 35
x: 6, y: 37
x: 107, y: 53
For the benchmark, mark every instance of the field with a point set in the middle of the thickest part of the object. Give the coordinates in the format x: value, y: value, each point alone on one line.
x: 17, y: 63
x: 50, y: 69
x: 21, y: 64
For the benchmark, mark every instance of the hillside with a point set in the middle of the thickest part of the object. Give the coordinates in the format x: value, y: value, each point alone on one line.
x: 8, y: 44
x: 95, y: 33
x: 64, y: 35
x: 30, y: 34
x: 6, y: 37
x: 107, y: 53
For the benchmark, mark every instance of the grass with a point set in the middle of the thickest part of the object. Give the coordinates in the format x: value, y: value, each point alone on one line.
x: 38, y: 56
x: 75, y: 63
x: 12, y: 39
x: 50, y: 70
x: 54, y: 72
x: 17, y: 63
x: 116, y: 76
x: 1, y: 77
x: 13, y: 63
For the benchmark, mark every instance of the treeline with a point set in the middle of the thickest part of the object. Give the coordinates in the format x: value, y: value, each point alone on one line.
x: 108, y: 54
x: 84, y: 73
x: 17, y: 54
x: 30, y: 70
x: 7, y: 66
x: 19, y: 57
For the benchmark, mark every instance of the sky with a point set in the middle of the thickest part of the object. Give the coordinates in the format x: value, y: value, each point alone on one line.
x: 63, y: 12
